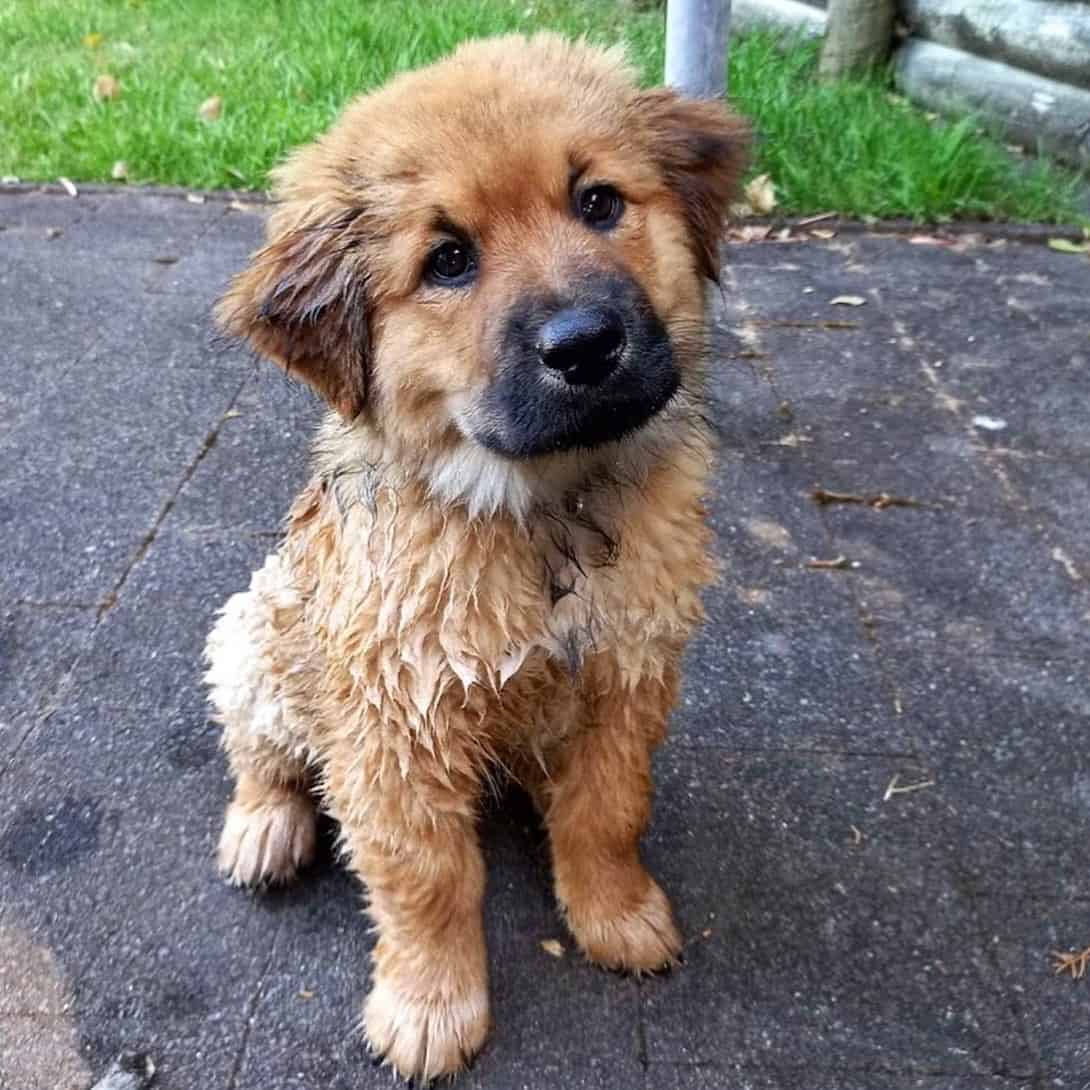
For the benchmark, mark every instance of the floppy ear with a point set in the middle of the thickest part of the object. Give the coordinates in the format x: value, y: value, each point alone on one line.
x: 302, y: 303
x: 702, y: 149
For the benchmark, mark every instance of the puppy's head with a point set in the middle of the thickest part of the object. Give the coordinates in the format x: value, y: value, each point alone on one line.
x: 506, y: 250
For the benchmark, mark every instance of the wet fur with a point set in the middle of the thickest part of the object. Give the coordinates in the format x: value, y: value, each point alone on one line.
x: 437, y: 614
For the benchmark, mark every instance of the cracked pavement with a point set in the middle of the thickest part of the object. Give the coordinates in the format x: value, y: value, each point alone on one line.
x: 873, y: 815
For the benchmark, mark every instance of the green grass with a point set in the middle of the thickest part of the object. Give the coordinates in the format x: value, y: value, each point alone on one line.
x: 285, y: 67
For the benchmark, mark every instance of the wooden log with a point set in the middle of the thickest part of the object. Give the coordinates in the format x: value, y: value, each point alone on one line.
x: 858, y: 36
x: 1049, y: 37
x: 1029, y: 109
x: 790, y: 16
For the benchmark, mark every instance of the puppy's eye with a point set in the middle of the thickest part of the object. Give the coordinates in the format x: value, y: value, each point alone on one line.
x: 600, y: 207
x: 451, y: 264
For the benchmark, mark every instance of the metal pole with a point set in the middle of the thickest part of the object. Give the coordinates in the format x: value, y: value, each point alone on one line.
x: 697, y: 35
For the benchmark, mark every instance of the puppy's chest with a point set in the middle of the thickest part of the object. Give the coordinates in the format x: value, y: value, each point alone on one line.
x: 579, y: 576
x: 604, y: 584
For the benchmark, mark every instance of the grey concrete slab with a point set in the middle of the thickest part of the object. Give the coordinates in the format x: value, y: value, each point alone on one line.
x: 715, y: 1076
x: 823, y: 924
x: 974, y: 587
x: 261, y: 459
x: 97, y: 448
x: 39, y: 644
x: 141, y: 228
x: 1056, y: 489
x: 204, y: 271
x: 146, y: 652
x: 1024, y: 934
x: 909, y: 450
x: 839, y: 936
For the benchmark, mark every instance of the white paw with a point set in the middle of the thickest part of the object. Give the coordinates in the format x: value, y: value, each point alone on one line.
x: 270, y: 842
x: 425, y: 1038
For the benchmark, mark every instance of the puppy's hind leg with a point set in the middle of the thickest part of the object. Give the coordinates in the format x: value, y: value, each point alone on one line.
x: 269, y: 831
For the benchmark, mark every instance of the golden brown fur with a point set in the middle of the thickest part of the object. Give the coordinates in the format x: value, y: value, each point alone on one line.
x: 438, y: 613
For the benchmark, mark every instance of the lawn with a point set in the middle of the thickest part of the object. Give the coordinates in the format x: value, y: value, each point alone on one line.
x: 283, y: 68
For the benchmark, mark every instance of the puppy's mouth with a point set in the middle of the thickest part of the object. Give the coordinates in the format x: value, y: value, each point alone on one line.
x: 576, y: 372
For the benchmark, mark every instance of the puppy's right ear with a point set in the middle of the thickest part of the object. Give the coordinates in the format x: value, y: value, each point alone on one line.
x: 302, y: 302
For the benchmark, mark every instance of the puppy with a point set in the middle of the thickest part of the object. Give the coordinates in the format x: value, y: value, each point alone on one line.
x: 494, y: 271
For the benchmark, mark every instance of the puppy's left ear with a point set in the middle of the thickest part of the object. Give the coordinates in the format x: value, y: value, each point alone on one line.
x: 302, y: 303
x: 702, y: 149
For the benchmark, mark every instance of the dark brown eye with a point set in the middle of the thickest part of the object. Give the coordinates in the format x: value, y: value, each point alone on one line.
x: 600, y: 207
x: 451, y: 264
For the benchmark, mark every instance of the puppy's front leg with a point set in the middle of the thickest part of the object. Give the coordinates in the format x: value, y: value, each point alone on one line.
x: 412, y: 839
x: 599, y: 805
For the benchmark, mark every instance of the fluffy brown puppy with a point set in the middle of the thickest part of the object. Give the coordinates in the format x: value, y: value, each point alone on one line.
x: 494, y: 270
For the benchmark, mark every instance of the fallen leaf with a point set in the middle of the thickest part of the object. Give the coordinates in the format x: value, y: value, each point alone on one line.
x: 818, y: 232
x: 210, y: 109
x: 92, y: 40
x: 1073, y: 573
x: 760, y: 194
x: 120, y: 171
x: 879, y: 501
x: 847, y: 301
x: 305, y: 993
x: 231, y: 414
x: 838, y: 563
x: 106, y: 88
x: 552, y: 947
x: 1066, y: 246
x: 756, y: 233
x: 68, y: 186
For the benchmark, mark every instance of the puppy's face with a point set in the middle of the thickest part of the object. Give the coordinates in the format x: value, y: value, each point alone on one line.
x: 505, y: 250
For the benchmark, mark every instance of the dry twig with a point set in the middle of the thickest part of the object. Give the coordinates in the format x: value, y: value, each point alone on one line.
x: 1073, y: 963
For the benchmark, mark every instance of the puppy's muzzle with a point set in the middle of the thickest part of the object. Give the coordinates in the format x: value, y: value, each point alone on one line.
x: 574, y: 370
x: 583, y: 345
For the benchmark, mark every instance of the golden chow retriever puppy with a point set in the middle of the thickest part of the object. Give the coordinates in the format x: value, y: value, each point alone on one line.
x: 494, y: 271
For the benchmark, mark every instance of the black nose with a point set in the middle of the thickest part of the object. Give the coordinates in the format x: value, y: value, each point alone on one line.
x: 583, y: 343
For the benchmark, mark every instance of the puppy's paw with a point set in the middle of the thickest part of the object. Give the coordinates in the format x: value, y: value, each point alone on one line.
x: 425, y: 1038
x: 641, y: 940
x: 269, y: 841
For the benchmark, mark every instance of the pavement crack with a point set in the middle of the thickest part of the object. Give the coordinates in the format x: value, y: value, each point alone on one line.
x: 641, y: 1030
x: 188, y: 251
x: 209, y: 441
x: 62, y: 686
x: 251, y: 1010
